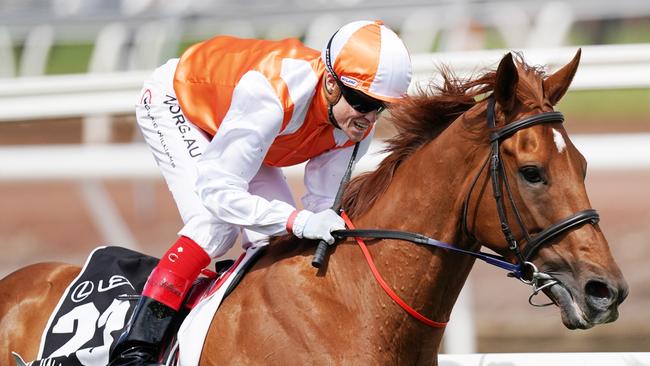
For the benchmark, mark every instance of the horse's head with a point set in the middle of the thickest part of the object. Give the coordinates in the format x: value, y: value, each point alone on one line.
x: 540, y: 176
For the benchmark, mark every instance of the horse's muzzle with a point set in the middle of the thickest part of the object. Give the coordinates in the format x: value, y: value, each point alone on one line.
x: 596, y: 303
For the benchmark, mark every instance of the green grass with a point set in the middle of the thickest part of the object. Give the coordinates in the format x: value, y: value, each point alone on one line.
x: 63, y: 59
x: 611, y: 32
x: 69, y: 59
x: 632, y: 31
x: 605, y: 104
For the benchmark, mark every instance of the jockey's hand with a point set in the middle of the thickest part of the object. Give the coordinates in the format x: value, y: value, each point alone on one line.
x: 318, y: 225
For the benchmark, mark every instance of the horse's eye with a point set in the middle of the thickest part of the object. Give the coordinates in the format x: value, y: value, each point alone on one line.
x: 531, y: 173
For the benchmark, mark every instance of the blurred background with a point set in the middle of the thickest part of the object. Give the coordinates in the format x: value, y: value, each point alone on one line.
x: 74, y: 173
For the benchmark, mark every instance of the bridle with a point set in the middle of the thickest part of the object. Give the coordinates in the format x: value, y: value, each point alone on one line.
x: 538, y: 280
x: 498, y: 176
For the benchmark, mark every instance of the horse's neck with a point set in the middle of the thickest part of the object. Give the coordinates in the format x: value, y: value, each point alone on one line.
x: 428, y: 189
x: 425, y: 196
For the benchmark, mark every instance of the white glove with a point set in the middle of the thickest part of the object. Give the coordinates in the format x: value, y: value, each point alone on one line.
x: 319, y: 225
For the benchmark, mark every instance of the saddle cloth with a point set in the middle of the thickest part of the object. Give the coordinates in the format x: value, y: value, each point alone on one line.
x: 89, y: 316
x: 95, y: 308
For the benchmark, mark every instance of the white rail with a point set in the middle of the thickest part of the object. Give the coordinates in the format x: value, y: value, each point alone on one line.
x: 134, y: 161
x: 548, y: 359
x: 602, y: 67
x: 28, y: 98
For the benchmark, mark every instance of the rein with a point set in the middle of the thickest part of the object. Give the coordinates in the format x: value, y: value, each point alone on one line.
x: 416, y: 238
x: 380, y: 280
x: 537, y: 279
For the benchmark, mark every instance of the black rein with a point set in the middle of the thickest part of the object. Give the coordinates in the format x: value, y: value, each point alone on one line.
x: 498, y: 175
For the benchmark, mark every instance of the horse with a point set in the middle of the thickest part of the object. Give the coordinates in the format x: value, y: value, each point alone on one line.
x: 477, y: 162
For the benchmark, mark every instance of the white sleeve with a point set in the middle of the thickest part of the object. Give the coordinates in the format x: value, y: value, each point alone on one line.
x: 323, y: 175
x: 235, y: 154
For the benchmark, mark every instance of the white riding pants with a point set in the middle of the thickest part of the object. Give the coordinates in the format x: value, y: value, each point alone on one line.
x: 177, y: 145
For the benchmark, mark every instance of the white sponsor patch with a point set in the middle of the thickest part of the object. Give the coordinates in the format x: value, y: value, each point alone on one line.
x: 559, y: 141
x: 349, y: 81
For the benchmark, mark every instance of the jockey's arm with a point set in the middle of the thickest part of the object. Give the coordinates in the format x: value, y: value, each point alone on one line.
x: 323, y: 175
x: 236, y: 153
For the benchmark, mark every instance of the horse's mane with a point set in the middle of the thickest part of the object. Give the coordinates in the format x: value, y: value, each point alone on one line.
x: 419, y: 119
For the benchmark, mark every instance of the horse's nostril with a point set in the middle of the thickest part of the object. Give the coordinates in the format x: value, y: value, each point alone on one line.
x: 599, y: 294
x: 597, y: 289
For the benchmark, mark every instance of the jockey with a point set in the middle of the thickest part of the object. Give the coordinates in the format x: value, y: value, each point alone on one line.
x: 224, y: 118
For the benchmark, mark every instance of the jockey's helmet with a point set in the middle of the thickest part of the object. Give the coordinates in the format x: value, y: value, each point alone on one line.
x: 369, y: 57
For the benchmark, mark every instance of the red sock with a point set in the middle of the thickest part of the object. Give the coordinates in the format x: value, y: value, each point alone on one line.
x: 170, y: 281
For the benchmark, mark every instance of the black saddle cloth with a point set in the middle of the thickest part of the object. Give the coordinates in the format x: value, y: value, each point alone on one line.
x: 94, y: 309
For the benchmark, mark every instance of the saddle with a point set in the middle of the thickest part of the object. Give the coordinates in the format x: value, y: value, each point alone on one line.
x: 95, y: 308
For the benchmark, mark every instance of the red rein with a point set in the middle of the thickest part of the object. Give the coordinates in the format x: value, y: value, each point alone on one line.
x: 385, y: 286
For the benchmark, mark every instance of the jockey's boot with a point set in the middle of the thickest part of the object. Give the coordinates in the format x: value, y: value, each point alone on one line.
x: 154, y: 316
x: 142, y: 343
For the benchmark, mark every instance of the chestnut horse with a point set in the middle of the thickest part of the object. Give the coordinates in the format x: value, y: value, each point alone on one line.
x: 436, y: 181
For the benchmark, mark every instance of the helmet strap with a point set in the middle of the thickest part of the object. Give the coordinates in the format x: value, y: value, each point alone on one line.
x: 330, y: 115
x: 332, y: 96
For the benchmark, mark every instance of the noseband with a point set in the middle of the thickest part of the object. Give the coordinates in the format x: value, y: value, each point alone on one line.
x: 498, y: 175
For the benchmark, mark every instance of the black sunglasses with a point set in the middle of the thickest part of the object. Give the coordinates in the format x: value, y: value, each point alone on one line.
x: 359, y: 101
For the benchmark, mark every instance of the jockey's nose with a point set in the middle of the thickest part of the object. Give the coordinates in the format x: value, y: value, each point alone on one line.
x: 372, y: 116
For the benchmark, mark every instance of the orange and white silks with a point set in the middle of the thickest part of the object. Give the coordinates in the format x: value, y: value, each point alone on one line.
x: 371, y: 58
x: 223, y: 119
x: 285, y: 73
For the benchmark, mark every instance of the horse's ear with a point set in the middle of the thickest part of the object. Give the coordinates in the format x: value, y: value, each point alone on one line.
x: 558, y: 83
x: 505, y: 90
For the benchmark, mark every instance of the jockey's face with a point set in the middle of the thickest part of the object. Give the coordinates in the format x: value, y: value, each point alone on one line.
x: 352, y: 122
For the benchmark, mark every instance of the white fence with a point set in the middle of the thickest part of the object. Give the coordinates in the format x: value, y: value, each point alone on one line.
x: 602, y: 67
x: 547, y: 359
x: 134, y: 161
x: 37, y: 97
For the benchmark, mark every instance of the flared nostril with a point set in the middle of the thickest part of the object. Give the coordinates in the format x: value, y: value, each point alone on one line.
x: 600, y: 295
x: 598, y: 289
